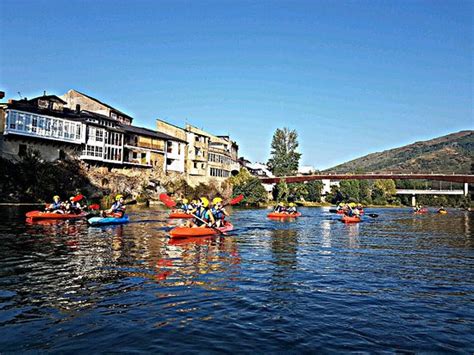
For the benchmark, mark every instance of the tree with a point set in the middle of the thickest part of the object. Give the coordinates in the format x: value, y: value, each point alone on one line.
x: 281, y: 191
x: 383, y: 191
x: 314, y: 190
x: 249, y: 186
x: 350, y: 190
x: 284, y: 157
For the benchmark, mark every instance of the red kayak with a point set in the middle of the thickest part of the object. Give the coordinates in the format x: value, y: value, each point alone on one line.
x: 35, y: 215
x: 283, y: 215
x: 340, y: 211
x: 348, y: 219
x: 421, y: 211
x: 180, y: 215
x: 183, y: 232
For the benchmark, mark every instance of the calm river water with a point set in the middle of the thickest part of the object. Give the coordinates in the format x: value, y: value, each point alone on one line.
x: 398, y: 282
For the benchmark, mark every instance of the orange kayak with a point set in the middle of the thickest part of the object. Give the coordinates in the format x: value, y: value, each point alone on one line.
x: 35, y: 215
x: 183, y: 232
x: 283, y: 215
x: 180, y: 215
x: 348, y: 219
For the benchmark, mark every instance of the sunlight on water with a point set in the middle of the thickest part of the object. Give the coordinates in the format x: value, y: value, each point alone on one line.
x: 396, y: 282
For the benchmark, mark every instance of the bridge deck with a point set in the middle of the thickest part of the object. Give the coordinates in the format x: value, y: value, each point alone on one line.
x: 429, y: 192
x: 461, y: 178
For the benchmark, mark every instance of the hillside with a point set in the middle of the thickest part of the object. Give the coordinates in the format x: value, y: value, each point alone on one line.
x: 453, y: 153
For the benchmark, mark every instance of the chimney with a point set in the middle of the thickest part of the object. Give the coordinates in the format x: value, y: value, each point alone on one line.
x: 44, y: 93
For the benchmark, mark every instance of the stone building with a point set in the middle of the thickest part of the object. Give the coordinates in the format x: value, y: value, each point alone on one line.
x: 43, y: 124
x: 208, y: 157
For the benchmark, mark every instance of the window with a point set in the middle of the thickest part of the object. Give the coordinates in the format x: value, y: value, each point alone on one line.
x: 19, y: 121
x: 12, y: 119
x: 62, y: 155
x: 134, y: 155
x: 66, y: 129
x: 28, y: 122
x: 195, y: 165
x: 78, y: 131
x: 22, y: 150
x: 179, y: 148
x: 169, y: 162
x: 169, y: 147
x: 60, y: 128
x: 34, y: 124
x: 99, y: 135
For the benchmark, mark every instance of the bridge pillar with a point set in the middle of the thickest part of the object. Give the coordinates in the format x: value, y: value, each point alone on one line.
x: 413, y: 200
x: 466, y: 188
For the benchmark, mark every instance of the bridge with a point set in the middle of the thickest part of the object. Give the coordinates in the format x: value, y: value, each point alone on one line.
x: 460, y: 178
x: 456, y: 178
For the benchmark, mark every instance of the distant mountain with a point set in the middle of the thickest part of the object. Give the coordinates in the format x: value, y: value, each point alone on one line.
x: 453, y: 153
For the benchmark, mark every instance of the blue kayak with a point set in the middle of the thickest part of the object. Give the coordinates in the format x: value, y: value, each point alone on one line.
x: 107, y: 220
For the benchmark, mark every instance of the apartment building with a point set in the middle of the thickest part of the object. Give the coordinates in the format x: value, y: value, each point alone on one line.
x: 208, y: 157
x: 79, y: 126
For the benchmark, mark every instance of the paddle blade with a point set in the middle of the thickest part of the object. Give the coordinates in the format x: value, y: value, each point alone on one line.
x: 95, y: 206
x: 133, y: 202
x: 78, y: 198
x: 373, y: 215
x: 332, y: 211
x: 236, y: 200
x: 167, y: 200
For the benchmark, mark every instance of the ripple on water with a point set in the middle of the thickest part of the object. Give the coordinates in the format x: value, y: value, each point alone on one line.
x: 398, y: 282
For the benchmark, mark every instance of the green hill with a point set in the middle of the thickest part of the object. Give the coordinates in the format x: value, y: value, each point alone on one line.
x: 453, y: 153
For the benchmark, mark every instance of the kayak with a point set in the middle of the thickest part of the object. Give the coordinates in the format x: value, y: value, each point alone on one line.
x: 443, y: 212
x: 180, y: 215
x: 348, y: 219
x: 182, y: 232
x: 422, y: 211
x: 94, y: 221
x: 35, y: 215
x: 340, y: 212
x: 283, y: 215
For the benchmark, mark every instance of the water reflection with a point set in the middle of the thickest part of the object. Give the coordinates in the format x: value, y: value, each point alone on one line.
x: 303, y: 284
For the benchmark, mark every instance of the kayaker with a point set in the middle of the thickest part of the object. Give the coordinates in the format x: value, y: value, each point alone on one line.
x: 441, y: 210
x: 185, y: 206
x: 291, y: 209
x: 73, y: 206
x: 118, y: 207
x: 203, y: 214
x: 280, y: 208
x: 56, y: 206
x: 218, y: 212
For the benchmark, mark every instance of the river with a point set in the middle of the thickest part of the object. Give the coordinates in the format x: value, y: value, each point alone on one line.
x: 399, y: 282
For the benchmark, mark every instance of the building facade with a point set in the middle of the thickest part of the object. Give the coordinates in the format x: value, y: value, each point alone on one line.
x: 207, y: 157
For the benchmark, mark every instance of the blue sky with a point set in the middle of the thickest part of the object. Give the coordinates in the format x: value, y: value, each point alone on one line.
x: 352, y: 77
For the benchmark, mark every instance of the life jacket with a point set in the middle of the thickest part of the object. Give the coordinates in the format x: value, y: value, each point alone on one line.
x: 56, y: 205
x: 218, y: 213
x: 202, y: 213
x: 117, y: 207
x: 186, y: 207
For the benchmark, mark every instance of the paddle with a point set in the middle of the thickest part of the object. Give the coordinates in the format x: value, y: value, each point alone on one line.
x: 167, y: 200
x: 78, y: 198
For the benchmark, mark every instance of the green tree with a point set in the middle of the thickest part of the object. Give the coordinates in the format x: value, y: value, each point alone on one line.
x: 314, y: 190
x: 281, y: 191
x: 297, y: 191
x: 383, y: 191
x: 284, y: 157
x: 349, y: 190
x: 249, y: 186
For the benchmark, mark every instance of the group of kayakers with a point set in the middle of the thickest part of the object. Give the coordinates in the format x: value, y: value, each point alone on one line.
x: 74, y: 206
x: 281, y: 208
x: 350, y: 209
x: 71, y: 206
x: 205, y: 213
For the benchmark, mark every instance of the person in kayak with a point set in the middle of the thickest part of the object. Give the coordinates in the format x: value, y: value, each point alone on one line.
x: 441, y: 209
x: 185, y: 206
x: 218, y: 212
x: 280, y: 208
x: 73, y: 206
x: 291, y: 209
x: 203, y: 213
x: 117, y: 209
x: 56, y: 206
